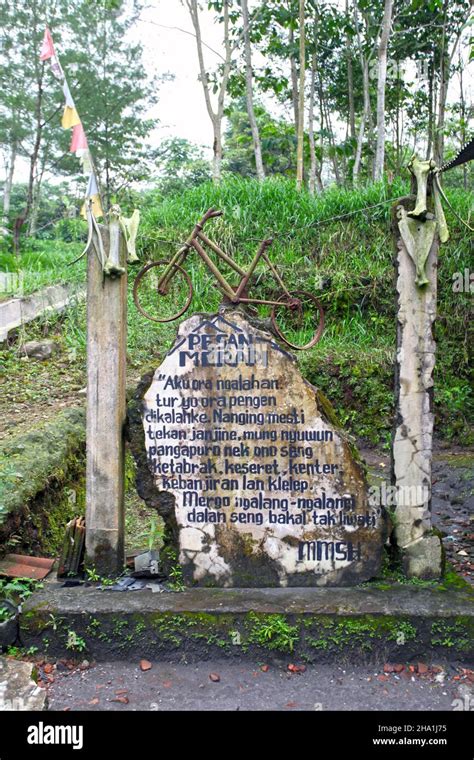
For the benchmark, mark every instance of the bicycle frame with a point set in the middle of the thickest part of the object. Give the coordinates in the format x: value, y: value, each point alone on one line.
x: 196, y: 241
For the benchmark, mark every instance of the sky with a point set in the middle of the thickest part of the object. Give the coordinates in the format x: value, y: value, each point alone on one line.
x: 181, y: 108
x: 165, y: 31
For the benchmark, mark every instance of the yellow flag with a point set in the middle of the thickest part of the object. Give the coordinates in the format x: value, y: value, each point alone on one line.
x: 96, y: 207
x: 70, y: 118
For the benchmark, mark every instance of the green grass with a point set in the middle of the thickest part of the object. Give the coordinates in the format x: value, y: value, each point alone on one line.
x: 44, y: 262
x: 347, y: 263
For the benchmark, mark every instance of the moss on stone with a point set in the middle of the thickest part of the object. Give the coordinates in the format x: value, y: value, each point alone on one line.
x: 357, y: 632
x: 35, y: 469
x: 457, y: 635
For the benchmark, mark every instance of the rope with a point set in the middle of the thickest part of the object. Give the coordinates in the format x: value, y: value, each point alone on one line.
x: 317, y: 223
x: 445, y: 198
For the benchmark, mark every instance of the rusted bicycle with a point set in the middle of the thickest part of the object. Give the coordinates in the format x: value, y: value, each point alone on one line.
x: 163, y: 290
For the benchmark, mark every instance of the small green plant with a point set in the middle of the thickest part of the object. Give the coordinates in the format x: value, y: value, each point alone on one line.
x: 75, y: 642
x: 15, y: 652
x: 18, y: 589
x: 54, y: 622
x: 107, y: 581
x: 273, y: 632
x: 176, y: 578
x: 154, y: 534
x: 19, y: 652
x: 93, y: 626
x: 92, y: 575
x: 5, y: 614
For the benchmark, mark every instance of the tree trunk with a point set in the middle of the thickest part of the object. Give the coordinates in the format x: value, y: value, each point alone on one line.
x: 364, y: 64
x: 350, y: 84
x: 217, y: 115
x: 314, y: 170
x: 7, y: 188
x: 294, y: 79
x: 463, y: 116
x: 300, y: 143
x: 363, y: 121
x: 429, y: 141
x: 325, y: 119
x: 442, y: 95
x: 19, y: 222
x: 257, y: 148
x: 381, y: 82
x: 445, y: 62
x: 369, y: 119
x: 217, y: 151
x: 33, y: 217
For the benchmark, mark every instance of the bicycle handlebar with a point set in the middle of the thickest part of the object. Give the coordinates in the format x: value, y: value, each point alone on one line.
x: 210, y: 214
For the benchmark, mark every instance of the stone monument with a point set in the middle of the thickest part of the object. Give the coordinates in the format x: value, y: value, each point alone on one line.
x: 257, y: 486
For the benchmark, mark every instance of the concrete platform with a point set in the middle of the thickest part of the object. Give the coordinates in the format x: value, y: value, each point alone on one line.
x: 18, y: 689
x: 19, y: 311
x: 391, y: 623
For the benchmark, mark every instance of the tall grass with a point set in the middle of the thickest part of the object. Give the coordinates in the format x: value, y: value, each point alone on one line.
x: 348, y: 262
x: 44, y: 262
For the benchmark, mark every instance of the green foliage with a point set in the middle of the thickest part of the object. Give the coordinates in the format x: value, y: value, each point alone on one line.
x: 71, y: 230
x: 278, y: 142
x: 180, y: 164
x: 39, y: 459
x: 175, y: 575
x: 109, y: 83
x: 348, y: 262
x: 272, y: 632
x: 15, y: 591
x: 42, y: 263
x: 75, y: 643
x: 359, y: 633
x: 19, y: 653
x: 457, y: 635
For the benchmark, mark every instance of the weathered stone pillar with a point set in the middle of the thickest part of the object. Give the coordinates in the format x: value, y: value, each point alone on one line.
x: 416, y: 262
x: 106, y: 403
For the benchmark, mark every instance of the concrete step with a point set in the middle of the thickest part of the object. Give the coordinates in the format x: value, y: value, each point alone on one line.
x: 19, y: 311
x: 317, y: 624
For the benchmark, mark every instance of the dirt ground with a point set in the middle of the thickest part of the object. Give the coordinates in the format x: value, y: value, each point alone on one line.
x: 223, y: 685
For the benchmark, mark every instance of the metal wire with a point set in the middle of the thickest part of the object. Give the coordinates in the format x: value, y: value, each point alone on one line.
x: 317, y: 223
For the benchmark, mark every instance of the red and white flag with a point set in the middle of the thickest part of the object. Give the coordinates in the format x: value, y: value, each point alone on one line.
x: 47, y: 48
x: 70, y: 120
x: 79, y: 140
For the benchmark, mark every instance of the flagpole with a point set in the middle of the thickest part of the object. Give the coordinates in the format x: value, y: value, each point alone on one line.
x: 71, y: 119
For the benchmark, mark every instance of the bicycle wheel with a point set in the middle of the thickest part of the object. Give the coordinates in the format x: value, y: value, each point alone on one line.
x: 298, y: 319
x: 166, y: 303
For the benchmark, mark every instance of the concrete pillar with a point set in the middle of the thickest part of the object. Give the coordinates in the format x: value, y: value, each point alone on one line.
x: 416, y: 262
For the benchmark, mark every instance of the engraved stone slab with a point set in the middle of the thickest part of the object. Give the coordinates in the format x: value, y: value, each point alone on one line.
x: 267, y: 492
